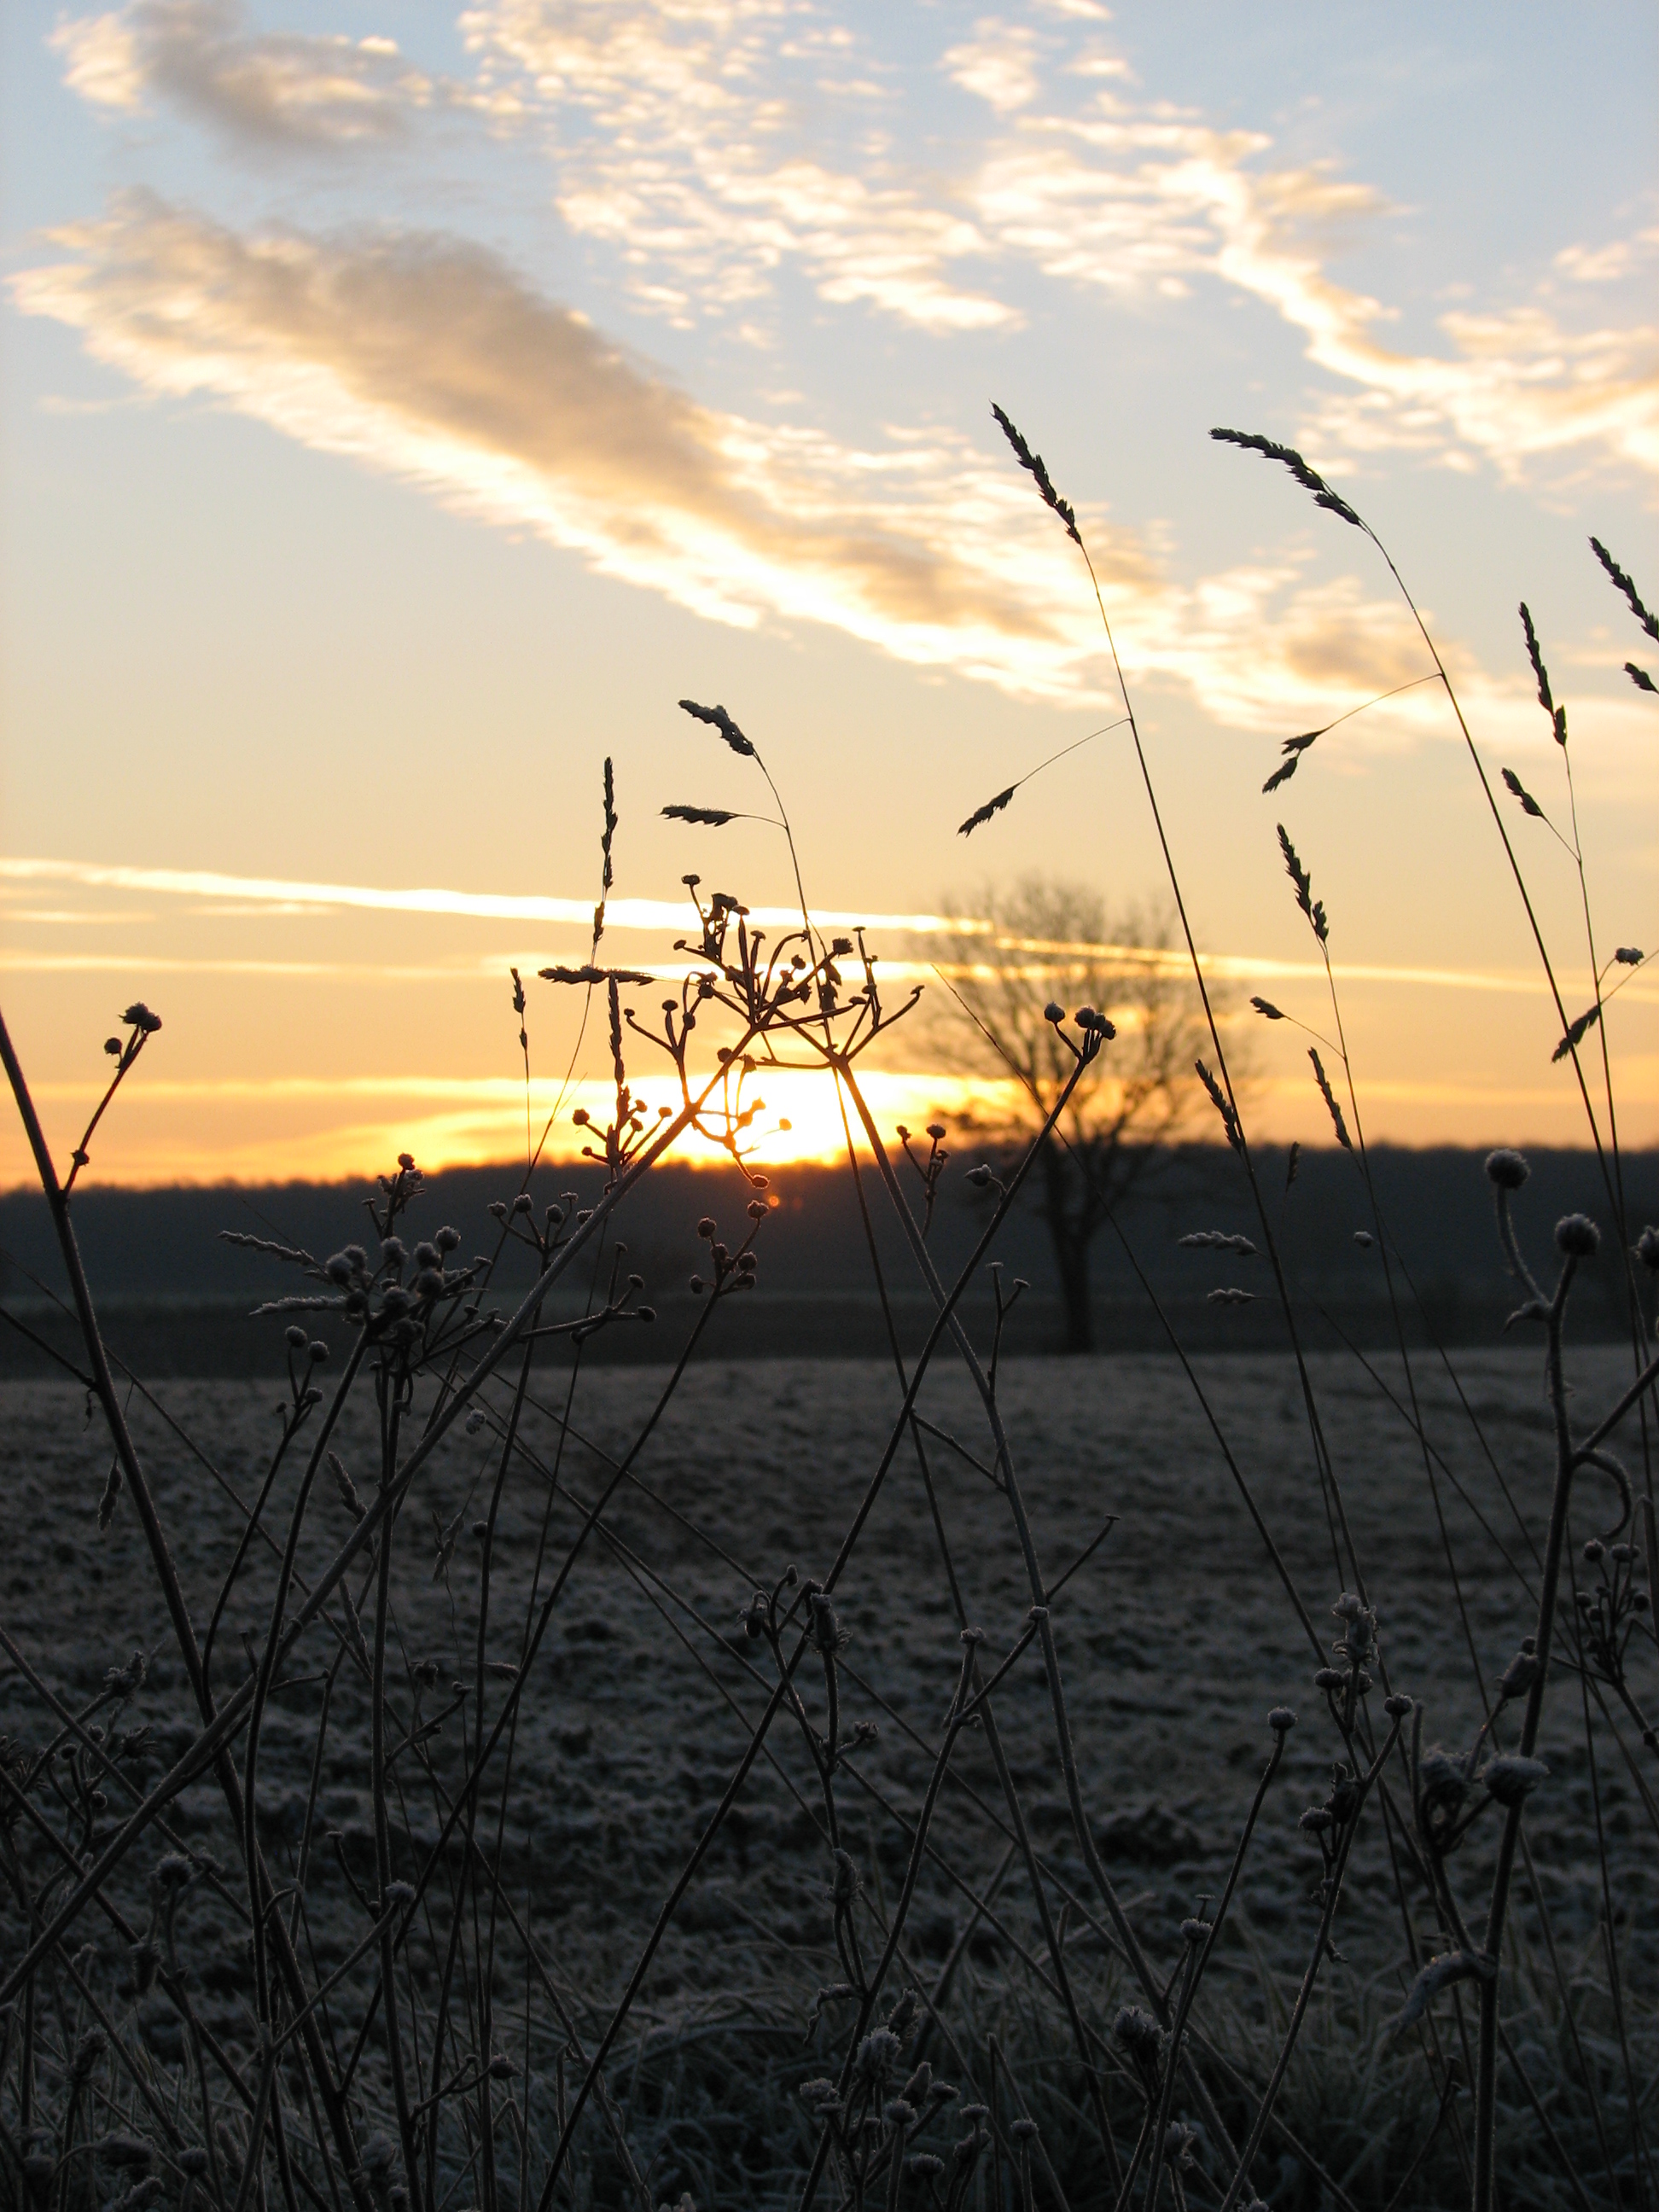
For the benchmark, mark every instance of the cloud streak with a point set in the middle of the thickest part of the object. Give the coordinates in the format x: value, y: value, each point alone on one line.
x: 429, y: 358
x: 285, y: 88
x: 286, y: 896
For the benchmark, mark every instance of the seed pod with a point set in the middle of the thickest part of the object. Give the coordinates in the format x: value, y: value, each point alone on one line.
x: 1512, y: 1778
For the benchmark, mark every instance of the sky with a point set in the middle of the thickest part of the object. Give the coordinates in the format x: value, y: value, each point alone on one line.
x: 402, y: 409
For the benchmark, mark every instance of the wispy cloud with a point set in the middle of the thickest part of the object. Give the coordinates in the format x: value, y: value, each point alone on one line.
x: 285, y: 896
x: 279, y: 896
x: 690, y: 165
x: 431, y: 358
x: 427, y: 357
x: 277, y: 87
x: 998, y: 64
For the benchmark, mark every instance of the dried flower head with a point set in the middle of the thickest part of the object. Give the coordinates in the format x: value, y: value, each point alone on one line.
x: 1507, y: 1169
x: 1511, y: 1778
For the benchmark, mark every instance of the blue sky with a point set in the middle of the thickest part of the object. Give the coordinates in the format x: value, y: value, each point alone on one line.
x: 403, y: 408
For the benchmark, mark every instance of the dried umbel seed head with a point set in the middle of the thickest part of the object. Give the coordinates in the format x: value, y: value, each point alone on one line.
x: 1576, y: 1237
x: 1507, y: 1169
x: 294, y: 1337
x: 426, y: 1255
x: 377, y: 2154
x: 828, y: 1635
x: 1138, y: 2031
x: 1518, y: 1677
x: 878, y: 2055
x: 1511, y: 1778
x: 980, y: 1177
x: 922, y: 2165
x: 1358, y: 1643
x: 1328, y: 1677
x: 1596, y: 1551
x: 125, y: 2151
x: 88, y: 2050
x: 449, y: 1240
x: 844, y: 1884
x: 1647, y: 1249
x: 1282, y: 1719
x: 393, y: 1251
x: 1397, y: 1706
x: 1441, y: 1778
x: 337, y: 1268
x: 1194, y: 1932
x: 1022, y: 2130
x: 1054, y: 1012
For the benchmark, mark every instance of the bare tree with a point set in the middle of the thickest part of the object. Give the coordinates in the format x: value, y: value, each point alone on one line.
x: 1045, y: 942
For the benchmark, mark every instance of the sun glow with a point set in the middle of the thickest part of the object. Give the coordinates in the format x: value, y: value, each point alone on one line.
x: 300, y: 1129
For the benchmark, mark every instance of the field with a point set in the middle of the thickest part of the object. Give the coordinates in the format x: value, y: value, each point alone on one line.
x: 1174, y: 1637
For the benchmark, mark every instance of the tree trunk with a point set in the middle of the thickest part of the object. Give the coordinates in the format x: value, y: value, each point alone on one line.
x: 1072, y: 1263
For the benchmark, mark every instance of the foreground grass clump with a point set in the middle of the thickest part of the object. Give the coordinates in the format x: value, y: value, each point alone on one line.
x: 511, y: 1781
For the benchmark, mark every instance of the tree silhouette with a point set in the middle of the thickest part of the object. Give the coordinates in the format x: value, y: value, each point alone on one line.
x: 1047, y: 941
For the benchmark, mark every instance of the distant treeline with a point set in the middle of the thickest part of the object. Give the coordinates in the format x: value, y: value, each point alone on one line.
x: 177, y: 1294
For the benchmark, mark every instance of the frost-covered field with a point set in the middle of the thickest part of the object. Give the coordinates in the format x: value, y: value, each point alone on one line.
x: 1175, y: 1638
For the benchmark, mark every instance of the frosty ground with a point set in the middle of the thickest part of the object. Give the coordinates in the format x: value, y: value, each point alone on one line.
x: 1175, y: 1638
